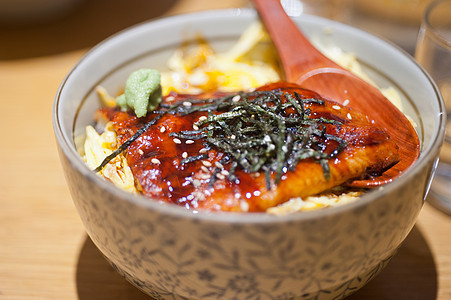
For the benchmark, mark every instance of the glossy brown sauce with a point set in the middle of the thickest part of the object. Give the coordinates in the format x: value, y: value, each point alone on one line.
x: 155, y: 159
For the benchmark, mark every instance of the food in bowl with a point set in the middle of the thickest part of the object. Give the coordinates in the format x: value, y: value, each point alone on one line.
x: 210, y: 145
x: 170, y: 252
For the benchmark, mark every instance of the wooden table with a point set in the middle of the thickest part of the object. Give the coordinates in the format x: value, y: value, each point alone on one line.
x: 44, y: 250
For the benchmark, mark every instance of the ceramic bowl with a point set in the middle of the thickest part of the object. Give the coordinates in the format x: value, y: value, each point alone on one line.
x: 172, y: 253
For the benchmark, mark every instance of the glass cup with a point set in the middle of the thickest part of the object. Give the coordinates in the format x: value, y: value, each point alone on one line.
x: 395, y: 20
x: 433, y: 52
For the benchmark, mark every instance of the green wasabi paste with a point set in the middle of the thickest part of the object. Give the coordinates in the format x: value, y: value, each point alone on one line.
x: 142, y: 92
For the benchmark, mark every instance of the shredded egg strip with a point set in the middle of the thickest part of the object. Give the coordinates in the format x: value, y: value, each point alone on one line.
x: 250, y: 63
x: 97, y: 147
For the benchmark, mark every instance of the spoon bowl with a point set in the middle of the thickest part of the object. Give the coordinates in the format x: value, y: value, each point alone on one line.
x: 306, y: 66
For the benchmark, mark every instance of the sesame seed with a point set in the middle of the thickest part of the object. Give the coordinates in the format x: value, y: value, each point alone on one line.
x: 219, y: 165
x: 170, y: 98
x: 346, y: 102
x: 220, y: 176
x: 185, y: 154
x: 155, y: 161
x: 189, y: 142
x: 202, y: 118
x: 140, y: 152
x: 206, y: 163
x: 195, y: 127
x: 162, y: 129
x: 336, y: 107
x: 199, y: 196
x: 244, y: 206
x: 255, y: 175
x: 177, y: 141
x: 236, y: 98
x: 204, y: 176
x: 196, y: 182
x: 203, y: 150
x: 187, y: 103
x: 204, y: 168
x: 225, y: 173
x: 349, y: 116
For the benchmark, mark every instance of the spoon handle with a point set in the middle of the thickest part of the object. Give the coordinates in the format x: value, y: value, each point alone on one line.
x: 298, y: 56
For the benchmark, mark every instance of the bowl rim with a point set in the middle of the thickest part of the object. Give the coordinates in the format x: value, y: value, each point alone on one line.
x: 68, y: 148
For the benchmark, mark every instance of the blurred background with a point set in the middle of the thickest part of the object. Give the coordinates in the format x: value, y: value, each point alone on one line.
x: 36, y: 28
x: 67, y: 25
x: 395, y: 20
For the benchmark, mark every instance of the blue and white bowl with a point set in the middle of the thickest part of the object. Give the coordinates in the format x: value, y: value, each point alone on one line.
x: 172, y: 253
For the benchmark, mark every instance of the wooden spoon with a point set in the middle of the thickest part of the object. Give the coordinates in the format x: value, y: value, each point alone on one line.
x: 305, y: 65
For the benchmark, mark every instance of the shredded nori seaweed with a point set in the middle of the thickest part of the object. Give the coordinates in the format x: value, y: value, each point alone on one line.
x: 255, y: 132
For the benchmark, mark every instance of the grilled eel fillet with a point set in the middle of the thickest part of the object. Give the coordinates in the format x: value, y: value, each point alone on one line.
x: 155, y: 157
